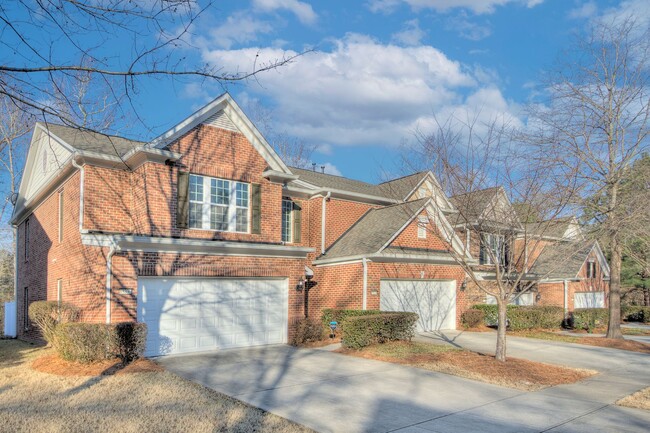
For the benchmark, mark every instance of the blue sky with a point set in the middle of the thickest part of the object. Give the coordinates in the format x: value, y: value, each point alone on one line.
x: 380, y: 70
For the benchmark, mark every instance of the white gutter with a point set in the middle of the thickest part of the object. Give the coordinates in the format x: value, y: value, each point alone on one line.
x: 82, y: 175
x: 109, y: 274
x: 566, y: 296
x: 322, y: 220
x: 365, y: 284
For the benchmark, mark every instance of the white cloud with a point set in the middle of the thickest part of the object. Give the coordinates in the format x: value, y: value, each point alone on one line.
x: 585, y: 10
x: 239, y: 28
x: 476, y: 6
x: 303, y: 11
x: 362, y: 92
x: 411, y: 35
x: 638, y: 10
x: 466, y: 28
x: 330, y: 169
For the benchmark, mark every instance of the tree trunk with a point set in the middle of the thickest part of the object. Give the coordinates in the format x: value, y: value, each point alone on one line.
x: 500, y: 353
x: 646, y: 296
x: 614, y: 327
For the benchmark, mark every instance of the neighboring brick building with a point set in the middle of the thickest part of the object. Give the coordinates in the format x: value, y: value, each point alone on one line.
x: 549, y: 262
x: 209, y: 238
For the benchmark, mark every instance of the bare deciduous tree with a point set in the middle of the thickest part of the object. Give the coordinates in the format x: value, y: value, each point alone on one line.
x: 483, y: 171
x: 596, y: 120
x: 120, y: 42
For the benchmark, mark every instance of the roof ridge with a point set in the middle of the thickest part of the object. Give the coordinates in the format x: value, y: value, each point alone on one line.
x: 404, y: 177
x: 478, y: 190
x: 92, y: 131
x: 332, y: 175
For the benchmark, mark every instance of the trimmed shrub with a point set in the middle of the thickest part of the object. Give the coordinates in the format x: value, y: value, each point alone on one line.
x: 84, y: 342
x: 91, y: 342
x: 128, y: 340
x: 46, y: 315
x: 635, y: 313
x: 306, y: 331
x: 589, y: 318
x: 491, y: 313
x: 535, y: 317
x: 361, y: 331
x: 339, y: 316
x: 472, y: 318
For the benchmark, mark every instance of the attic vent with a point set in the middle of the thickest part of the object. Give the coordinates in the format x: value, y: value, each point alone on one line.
x: 221, y: 120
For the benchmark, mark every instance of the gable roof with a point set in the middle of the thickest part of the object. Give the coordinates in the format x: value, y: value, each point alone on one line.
x: 484, y: 205
x: 471, y: 205
x: 236, y: 118
x: 557, y: 228
x: 401, y: 187
x: 89, y: 141
x: 564, y: 260
x: 375, y: 229
x: 330, y: 181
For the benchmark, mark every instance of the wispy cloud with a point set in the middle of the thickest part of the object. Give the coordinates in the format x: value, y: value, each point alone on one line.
x: 466, y: 28
x: 476, y: 6
x: 410, y: 35
x: 303, y: 11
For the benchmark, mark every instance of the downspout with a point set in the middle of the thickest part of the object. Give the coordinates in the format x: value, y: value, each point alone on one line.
x: 82, y: 176
x: 364, y: 305
x: 16, y: 277
x: 566, y: 297
x: 322, y: 228
x: 109, y: 274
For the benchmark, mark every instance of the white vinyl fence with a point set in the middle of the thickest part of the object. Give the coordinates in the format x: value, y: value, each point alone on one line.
x: 10, y: 319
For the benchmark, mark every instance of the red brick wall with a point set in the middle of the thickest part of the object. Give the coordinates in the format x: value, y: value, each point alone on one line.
x: 81, y: 269
x: 409, y: 237
x: 340, y: 216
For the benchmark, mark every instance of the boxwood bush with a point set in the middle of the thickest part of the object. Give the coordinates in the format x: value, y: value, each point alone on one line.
x: 46, y: 315
x: 535, y: 317
x: 306, y: 331
x: 361, y: 331
x: 635, y: 313
x: 472, y: 318
x: 589, y: 318
x: 524, y: 317
x: 339, y: 316
x: 91, y: 342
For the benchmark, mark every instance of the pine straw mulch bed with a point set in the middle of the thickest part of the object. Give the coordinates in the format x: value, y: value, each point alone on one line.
x: 638, y: 400
x: 514, y: 373
x: 612, y: 343
x: 147, y: 402
x: 52, y: 364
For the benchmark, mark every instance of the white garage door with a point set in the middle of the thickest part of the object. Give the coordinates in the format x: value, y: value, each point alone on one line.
x: 589, y: 300
x: 433, y: 301
x: 195, y: 314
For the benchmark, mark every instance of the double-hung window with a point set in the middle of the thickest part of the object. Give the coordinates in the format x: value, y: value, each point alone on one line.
x: 591, y: 268
x: 423, y: 222
x: 493, y: 250
x: 218, y: 204
x: 287, y: 208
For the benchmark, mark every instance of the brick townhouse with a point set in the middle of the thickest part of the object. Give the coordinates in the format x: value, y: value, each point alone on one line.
x: 208, y: 237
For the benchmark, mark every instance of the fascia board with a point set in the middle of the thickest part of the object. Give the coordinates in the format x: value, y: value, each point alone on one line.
x: 194, y: 246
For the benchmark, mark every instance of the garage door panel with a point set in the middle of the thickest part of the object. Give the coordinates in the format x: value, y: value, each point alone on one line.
x: 185, y: 315
x: 433, y: 301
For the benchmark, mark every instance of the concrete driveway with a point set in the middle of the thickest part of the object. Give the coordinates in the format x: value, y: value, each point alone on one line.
x: 331, y: 392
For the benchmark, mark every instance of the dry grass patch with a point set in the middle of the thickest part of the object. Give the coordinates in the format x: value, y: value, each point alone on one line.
x: 638, y: 400
x: 612, y: 343
x: 52, y: 364
x: 515, y: 373
x: 152, y: 401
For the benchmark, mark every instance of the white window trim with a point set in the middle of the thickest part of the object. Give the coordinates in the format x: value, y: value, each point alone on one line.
x: 487, y: 241
x: 232, y: 205
x: 290, y: 226
x: 423, y: 221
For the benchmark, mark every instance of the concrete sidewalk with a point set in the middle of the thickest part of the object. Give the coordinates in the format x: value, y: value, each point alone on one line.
x: 331, y: 392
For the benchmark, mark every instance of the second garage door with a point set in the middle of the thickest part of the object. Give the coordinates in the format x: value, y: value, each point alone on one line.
x: 200, y: 314
x: 433, y: 301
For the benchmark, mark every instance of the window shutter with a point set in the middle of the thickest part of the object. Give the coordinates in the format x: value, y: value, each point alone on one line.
x: 297, y: 223
x: 182, y: 209
x: 482, y: 252
x: 256, y: 209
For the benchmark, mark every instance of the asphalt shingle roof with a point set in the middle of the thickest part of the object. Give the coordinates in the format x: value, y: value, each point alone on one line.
x: 374, y: 229
x: 395, y: 189
x: 562, y: 260
x: 93, y: 141
x: 471, y: 205
x: 555, y: 228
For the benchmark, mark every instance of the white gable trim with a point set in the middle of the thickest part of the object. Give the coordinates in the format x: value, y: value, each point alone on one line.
x: 437, y: 189
x: 600, y: 256
x: 501, y: 194
x: 226, y: 103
